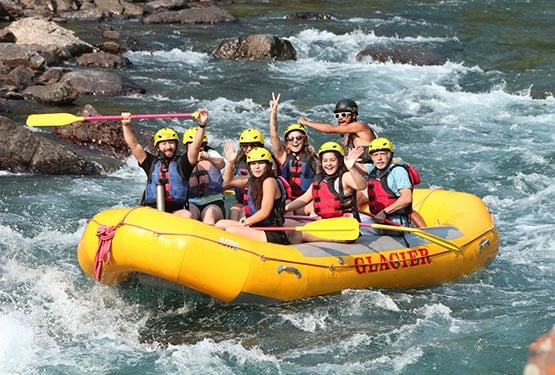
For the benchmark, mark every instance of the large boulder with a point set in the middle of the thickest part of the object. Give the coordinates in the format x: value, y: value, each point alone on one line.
x: 103, y: 60
x: 25, y: 151
x: 208, y: 15
x: 261, y: 47
x: 61, y: 93
x: 48, y: 36
x: 96, y: 82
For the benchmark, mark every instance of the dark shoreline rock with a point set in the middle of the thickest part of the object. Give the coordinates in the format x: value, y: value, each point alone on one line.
x: 24, y: 151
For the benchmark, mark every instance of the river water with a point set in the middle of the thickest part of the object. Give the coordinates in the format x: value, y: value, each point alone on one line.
x: 469, y: 124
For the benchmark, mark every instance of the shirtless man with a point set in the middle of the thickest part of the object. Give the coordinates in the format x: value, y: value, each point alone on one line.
x: 356, y: 133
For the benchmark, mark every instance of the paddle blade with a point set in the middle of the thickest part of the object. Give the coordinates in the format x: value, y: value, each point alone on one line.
x: 339, y: 228
x: 428, y: 236
x: 53, y: 119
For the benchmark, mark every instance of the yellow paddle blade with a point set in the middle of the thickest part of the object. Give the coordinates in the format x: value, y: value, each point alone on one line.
x: 430, y: 237
x: 53, y: 119
x: 339, y: 228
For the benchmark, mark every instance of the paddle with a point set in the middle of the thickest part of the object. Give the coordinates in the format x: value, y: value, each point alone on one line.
x: 338, y: 228
x: 61, y: 119
x: 428, y: 236
x: 397, y: 227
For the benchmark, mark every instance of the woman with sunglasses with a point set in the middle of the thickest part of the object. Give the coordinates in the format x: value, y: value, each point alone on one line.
x: 299, y: 162
x: 237, y: 166
x: 356, y: 133
x: 264, y: 204
x: 333, y: 191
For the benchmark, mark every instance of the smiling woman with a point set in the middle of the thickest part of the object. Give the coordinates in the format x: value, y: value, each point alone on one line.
x: 333, y: 191
x: 297, y: 157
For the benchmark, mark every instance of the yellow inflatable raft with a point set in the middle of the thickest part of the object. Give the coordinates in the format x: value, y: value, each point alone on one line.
x: 122, y: 241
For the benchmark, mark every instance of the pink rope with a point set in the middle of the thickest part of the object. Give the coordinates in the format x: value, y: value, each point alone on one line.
x: 105, y: 235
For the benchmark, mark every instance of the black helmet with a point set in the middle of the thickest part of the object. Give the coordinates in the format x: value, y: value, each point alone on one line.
x: 346, y: 105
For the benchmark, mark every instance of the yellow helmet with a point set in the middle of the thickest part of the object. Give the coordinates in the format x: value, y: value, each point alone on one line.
x: 380, y: 144
x: 294, y: 127
x: 259, y: 154
x: 251, y: 135
x: 331, y: 146
x: 165, y: 134
x: 189, y: 136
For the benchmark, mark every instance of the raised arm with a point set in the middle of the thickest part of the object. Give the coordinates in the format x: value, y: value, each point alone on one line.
x: 320, y: 126
x: 231, y: 156
x: 136, y: 149
x: 194, y: 147
x: 352, y: 128
x: 279, y: 151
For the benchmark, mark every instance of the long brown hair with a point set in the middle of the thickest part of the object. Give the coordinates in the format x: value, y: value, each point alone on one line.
x: 255, y: 184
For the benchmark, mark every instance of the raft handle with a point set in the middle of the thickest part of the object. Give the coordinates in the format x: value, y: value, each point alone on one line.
x: 483, y: 243
x: 289, y: 269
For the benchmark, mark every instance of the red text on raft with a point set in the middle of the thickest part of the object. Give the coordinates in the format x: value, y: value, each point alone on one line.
x: 393, y: 261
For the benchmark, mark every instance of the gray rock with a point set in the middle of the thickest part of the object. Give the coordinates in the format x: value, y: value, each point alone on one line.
x: 20, y: 77
x: 309, y: 16
x: 105, y: 137
x: 165, y: 5
x: 400, y: 55
x: 208, y: 15
x: 60, y: 93
x: 10, y: 10
x: 24, y: 151
x: 13, y: 55
x: 256, y: 47
x: 95, y: 82
x: 42, y: 34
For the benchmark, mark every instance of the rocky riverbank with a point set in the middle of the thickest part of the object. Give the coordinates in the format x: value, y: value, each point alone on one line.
x: 44, y: 62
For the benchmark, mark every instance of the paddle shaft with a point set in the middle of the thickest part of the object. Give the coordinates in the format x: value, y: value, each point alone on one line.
x: 386, y: 221
x: 140, y: 116
x: 393, y: 226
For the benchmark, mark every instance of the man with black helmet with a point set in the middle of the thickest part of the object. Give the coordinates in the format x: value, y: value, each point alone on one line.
x: 356, y: 133
x: 168, y: 168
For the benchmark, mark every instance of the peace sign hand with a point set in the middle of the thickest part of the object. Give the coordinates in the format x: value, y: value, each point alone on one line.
x: 274, y: 102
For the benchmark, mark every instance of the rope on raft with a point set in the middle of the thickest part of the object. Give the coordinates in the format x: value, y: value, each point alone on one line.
x: 261, y: 256
x: 105, y: 235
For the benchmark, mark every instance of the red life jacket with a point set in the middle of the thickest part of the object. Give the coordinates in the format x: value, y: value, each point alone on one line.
x: 331, y: 203
x: 380, y: 195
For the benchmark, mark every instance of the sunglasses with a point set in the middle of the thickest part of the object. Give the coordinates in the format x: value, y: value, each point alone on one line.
x: 295, y: 138
x: 342, y: 114
x: 251, y: 145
